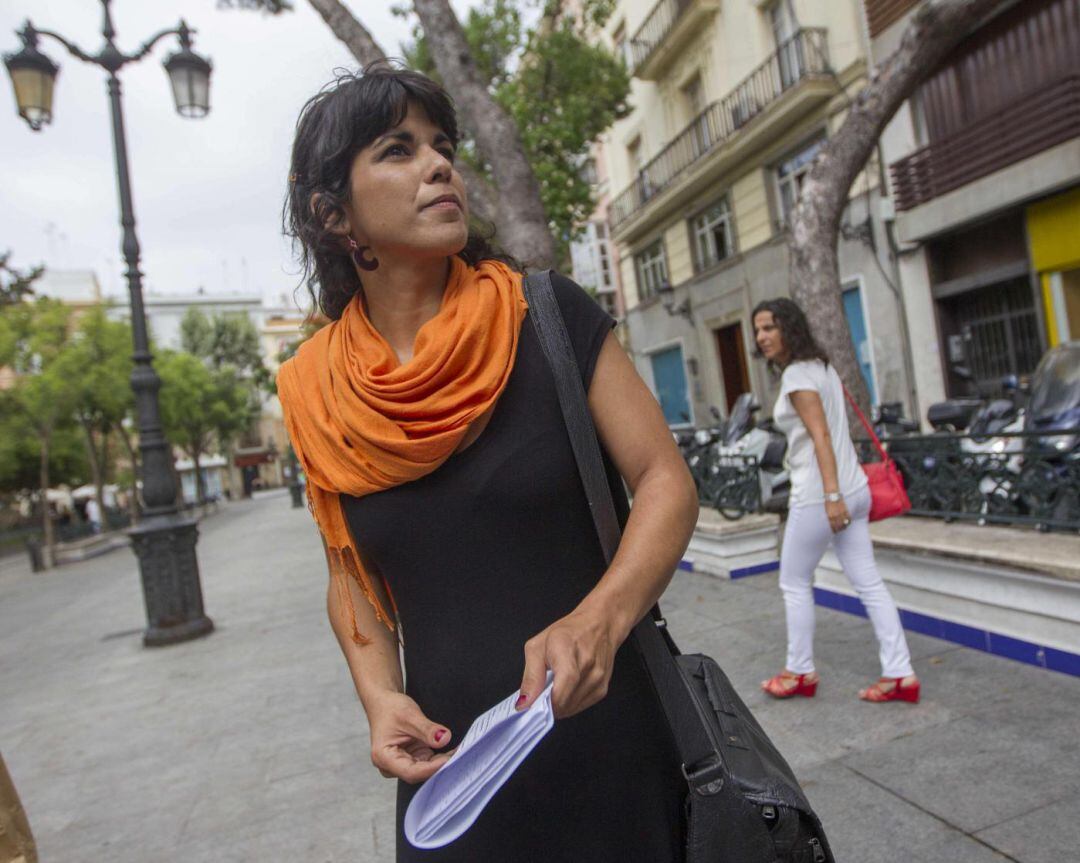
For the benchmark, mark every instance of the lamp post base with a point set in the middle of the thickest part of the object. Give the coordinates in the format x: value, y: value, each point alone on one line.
x: 165, y: 547
x: 297, y: 492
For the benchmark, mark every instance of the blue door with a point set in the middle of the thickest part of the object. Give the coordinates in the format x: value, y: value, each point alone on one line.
x: 853, y: 310
x: 669, y: 374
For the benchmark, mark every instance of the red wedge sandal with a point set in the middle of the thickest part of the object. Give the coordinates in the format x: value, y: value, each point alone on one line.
x: 880, y: 692
x: 785, y: 684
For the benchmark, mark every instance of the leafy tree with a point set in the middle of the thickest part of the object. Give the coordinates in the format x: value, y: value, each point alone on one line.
x: 20, y: 452
x: 561, y: 90
x: 98, y: 364
x: 526, y: 185
x: 200, y: 406
x: 16, y: 285
x: 225, y: 340
x: 33, y: 339
x: 229, y: 345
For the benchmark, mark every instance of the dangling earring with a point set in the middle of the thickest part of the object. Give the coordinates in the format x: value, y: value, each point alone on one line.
x: 357, y: 253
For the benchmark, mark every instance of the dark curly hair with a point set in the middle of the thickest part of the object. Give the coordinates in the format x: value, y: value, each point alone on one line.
x: 794, y: 329
x: 334, y: 125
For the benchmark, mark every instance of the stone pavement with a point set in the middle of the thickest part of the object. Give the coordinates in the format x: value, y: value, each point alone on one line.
x: 250, y: 745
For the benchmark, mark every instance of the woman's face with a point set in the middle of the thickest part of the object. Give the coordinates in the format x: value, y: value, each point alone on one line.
x: 407, y: 198
x: 768, y: 338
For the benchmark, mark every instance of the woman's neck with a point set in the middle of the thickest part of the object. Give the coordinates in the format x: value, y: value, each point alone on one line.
x: 402, y: 296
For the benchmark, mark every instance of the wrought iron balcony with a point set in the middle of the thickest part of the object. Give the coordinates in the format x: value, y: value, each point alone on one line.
x: 802, y: 56
x: 669, y: 25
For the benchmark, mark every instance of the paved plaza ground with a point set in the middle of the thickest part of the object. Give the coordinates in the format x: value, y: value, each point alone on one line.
x: 250, y: 745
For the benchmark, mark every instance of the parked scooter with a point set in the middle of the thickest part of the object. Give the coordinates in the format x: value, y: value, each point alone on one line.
x: 695, y: 447
x: 1052, y: 462
x: 749, y: 473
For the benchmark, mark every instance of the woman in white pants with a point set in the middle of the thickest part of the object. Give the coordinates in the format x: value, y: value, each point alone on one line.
x: 830, y: 502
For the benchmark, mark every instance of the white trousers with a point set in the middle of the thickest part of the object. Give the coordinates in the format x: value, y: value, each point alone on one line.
x: 806, y: 538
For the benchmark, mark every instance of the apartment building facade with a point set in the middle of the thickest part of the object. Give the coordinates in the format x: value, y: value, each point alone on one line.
x: 984, y: 170
x: 731, y: 102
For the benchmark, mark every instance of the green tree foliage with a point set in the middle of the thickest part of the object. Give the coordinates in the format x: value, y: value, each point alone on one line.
x: 201, y: 406
x: 225, y: 340
x: 98, y: 364
x: 20, y: 453
x: 33, y: 339
x: 16, y: 285
x: 561, y: 87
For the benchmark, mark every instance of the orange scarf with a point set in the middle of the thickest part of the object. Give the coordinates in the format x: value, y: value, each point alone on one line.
x: 361, y: 422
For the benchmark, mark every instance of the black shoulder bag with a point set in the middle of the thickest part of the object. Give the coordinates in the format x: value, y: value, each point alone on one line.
x: 743, y: 802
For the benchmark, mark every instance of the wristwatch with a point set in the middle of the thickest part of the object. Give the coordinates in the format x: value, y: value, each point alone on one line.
x: 833, y: 497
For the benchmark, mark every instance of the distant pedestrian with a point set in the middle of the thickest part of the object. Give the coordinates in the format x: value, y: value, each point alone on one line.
x: 442, y: 478
x: 830, y: 503
x: 93, y: 515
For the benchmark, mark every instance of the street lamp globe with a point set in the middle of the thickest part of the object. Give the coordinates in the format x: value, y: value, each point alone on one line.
x: 189, y: 74
x: 32, y: 77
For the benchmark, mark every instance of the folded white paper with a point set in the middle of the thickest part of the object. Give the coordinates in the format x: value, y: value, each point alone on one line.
x: 495, y: 745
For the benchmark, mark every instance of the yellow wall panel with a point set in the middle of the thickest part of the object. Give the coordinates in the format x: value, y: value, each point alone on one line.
x: 750, y: 203
x: 680, y: 264
x: 1054, y: 232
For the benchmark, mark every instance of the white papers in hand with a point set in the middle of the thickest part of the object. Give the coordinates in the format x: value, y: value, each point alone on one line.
x: 495, y: 745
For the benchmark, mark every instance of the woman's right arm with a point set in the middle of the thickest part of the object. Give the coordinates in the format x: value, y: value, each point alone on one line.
x: 403, y: 740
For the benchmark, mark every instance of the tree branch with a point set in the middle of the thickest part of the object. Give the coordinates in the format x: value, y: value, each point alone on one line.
x: 349, y: 30
x: 934, y: 30
x: 522, y: 218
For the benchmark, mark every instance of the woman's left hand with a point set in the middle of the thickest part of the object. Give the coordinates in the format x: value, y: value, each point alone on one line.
x: 580, y: 650
x: 839, y: 518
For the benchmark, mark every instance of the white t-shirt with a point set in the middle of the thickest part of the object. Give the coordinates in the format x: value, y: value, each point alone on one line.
x: 806, y: 485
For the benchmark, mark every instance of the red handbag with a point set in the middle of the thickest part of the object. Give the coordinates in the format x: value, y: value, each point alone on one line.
x: 888, y: 497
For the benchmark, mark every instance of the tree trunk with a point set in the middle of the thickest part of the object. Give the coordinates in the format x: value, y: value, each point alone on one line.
x: 95, y: 467
x: 48, y: 538
x: 933, y: 31
x: 348, y: 30
x: 200, y: 492
x: 524, y: 225
x: 483, y: 201
x: 133, y: 455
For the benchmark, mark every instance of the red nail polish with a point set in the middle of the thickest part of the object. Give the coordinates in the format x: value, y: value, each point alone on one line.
x: 439, y: 735
x: 521, y: 700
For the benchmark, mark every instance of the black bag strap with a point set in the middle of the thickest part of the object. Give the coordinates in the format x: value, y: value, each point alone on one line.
x: 699, y: 753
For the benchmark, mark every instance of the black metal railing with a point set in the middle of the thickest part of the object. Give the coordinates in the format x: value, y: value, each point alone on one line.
x: 1021, y: 478
x: 802, y: 56
x: 652, y: 33
x: 1011, y: 478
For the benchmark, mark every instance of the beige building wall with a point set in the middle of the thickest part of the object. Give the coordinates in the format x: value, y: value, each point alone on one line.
x: 722, y: 43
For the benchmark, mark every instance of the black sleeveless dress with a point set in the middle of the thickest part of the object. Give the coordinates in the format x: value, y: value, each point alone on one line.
x: 482, y: 554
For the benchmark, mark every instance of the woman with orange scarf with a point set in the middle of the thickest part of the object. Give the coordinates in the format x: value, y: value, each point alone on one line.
x: 440, y: 474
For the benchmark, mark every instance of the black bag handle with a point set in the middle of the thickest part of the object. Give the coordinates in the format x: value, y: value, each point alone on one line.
x: 698, y: 751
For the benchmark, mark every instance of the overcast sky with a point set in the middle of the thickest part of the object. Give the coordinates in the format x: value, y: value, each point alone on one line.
x: 208, y: 192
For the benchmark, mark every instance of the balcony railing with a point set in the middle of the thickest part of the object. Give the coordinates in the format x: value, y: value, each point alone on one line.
x: 663, y: 18
x: 1028, y: 126
x: 802, y: 56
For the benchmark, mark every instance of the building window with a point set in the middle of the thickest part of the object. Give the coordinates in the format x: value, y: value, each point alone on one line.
x: 603, y: 252
x: 635, y: 156
x: 712, y: 235
x: 588, y: 172
x: 606, y: 299
x: 622, y: 46
x: 788, y: 48
x: 651, y: 269
x: 790, y: 174
x: 694, y: 96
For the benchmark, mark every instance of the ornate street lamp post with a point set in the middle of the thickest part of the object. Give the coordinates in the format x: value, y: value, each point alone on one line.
x: 164, y: 541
